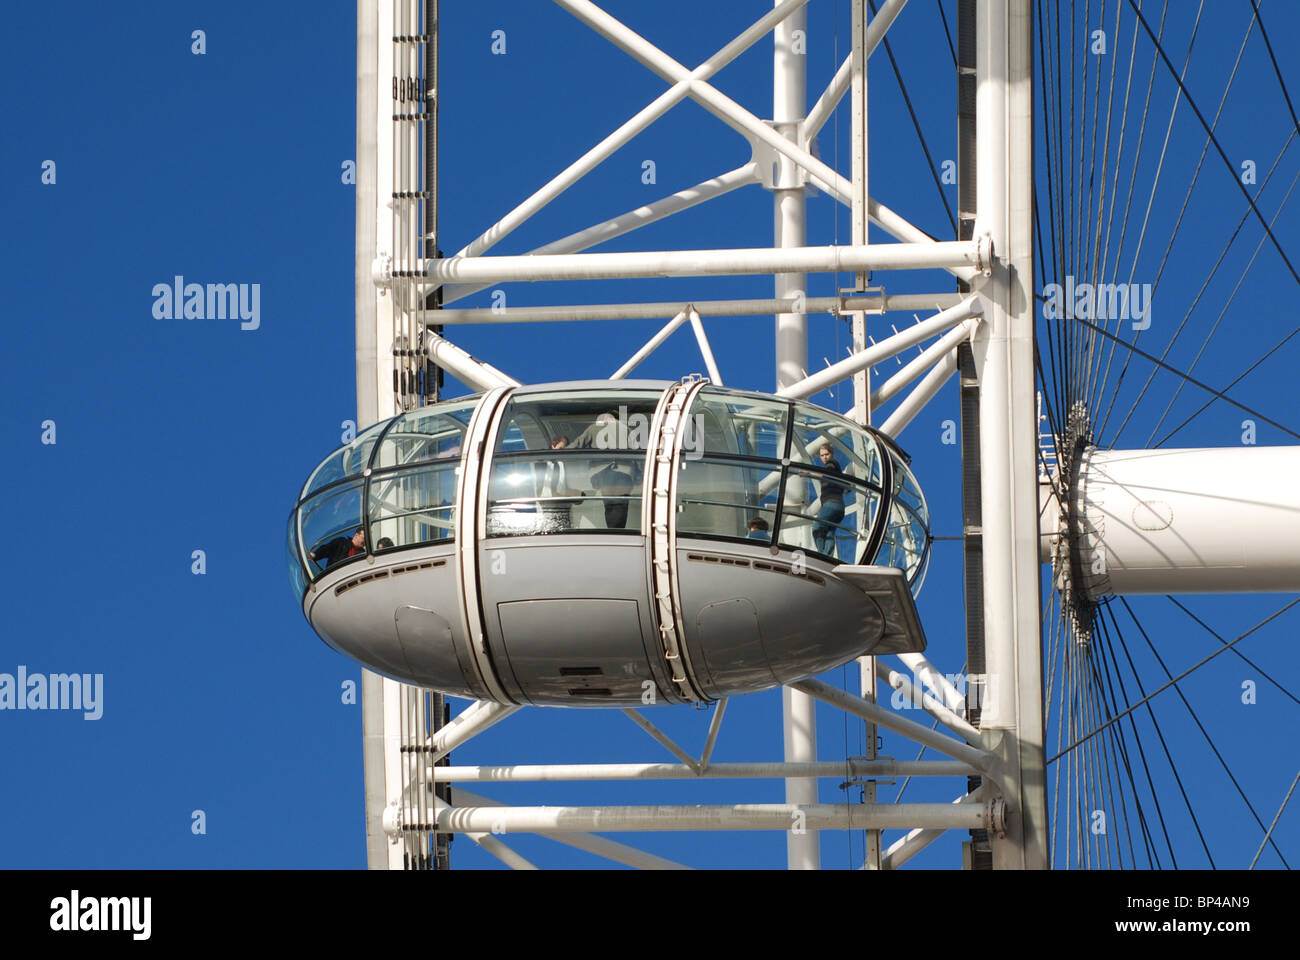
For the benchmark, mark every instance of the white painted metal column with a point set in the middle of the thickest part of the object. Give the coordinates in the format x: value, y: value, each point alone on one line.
x: 1012, y: 712
x: 861, y: 379
x: 789, y: 98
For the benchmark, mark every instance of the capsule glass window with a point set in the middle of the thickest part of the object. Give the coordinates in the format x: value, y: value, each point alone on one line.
x: 716, y: 498
x: 570, y: 461
x: 856, y: 451
x: 329, y: 522
x: 722, y: 422
x: 429, y: 435
x: 293, y: 559
x: 413, y: 505
x: 350, y: 461
x: 828, y: 514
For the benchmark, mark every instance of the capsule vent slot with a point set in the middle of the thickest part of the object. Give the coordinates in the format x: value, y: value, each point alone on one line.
x: 757, y: 565
x: 591, y: 692
x: 357, y: 581
x: 412, y: 567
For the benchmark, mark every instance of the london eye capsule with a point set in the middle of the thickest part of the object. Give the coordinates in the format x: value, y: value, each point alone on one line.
x: 611, y: 543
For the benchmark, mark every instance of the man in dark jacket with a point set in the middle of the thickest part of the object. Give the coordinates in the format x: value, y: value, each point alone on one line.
x: 340, y: 548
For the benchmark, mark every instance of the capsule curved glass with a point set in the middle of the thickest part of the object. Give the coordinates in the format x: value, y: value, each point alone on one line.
x: 580, y: 543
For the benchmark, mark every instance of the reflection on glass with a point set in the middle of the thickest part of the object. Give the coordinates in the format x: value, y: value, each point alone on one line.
x: 560, y: 490
x: 415, y: 505
x: 348, y: 462
x: 297, y: 576
x: 579, y: 420
x: 724, y: 423
x: 905, y: 544
x: 838, y: 528
x: 720, y: 499
x: 331, y: 527
x: 426, y: 434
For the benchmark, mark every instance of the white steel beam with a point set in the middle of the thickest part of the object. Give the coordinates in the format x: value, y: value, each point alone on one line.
x: 748, y: 125
x: 627, y: 222
x: 600, y: 846
x: 369, y: 404
x: 1011, y: 712
x: 924, y: 392
x: 663, y: 738
x: 708, y: 96
x: 881, y: 717
x: 499, y: 850
x: 469, y: 723
x: 593, y: 157
x: 705, y: 350
x: 917, y: 840
x: 650, y: 346
x: 476, y: 373
x: 715, y: 725
x: 928, y: 357
x: 918, y: 698
x: 754, y: 816
x: 935, y: 681
x: 707, y: 263
x: 773, y: 770
x: 890, y: 346
x: 789, y: 102
x: 870, y: 303
x: 839, y: 85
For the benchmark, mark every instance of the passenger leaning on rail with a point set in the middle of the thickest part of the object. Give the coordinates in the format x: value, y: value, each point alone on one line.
x: 340, y: 548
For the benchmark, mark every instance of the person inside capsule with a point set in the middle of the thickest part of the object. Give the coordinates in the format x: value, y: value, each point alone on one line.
x: 613, y: 480
x: 831, y: 511
x: 340, y: 548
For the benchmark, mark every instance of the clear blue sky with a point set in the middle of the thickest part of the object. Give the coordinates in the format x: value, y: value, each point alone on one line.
x: 176, y: 435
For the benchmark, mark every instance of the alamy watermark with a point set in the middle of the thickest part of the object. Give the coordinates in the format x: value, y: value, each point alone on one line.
x: 179, y: 300
x: 631, y: 431
x: 57, y: 691
x: 1098, y: 301
x: 978, y: 689
x: 76, y: 913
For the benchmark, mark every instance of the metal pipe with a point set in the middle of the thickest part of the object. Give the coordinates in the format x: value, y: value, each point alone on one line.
x: 472, y: 721
x: 600, y: 846
x: 789, y: 102
x: 597, y: 154
x: 930, y: 355
x: 938, y: 684
x: 749, y: 125
x: 883, y: 350
x: 891, y: 721
x: 909, y: 846
x: 918, y: 698
x: 715, y: 725
x: 839, y: 85
x: 705, y: 350
x: 924, y: 392
x: 757, y: 816
x: 476, y: 373
x: 663, y: 739
x: 627, y: 222
x: 774, y: 770
x: 705, y: 263
x: 870, y: 303
x: 708, y: 96
x: 650, y: 346
x: 499, y: 850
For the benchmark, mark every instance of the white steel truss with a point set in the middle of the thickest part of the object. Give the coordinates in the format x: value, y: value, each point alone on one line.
x: 400, y: 269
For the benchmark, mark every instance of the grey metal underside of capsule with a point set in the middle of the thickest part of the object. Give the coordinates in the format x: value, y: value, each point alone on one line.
x: 568, y: 620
